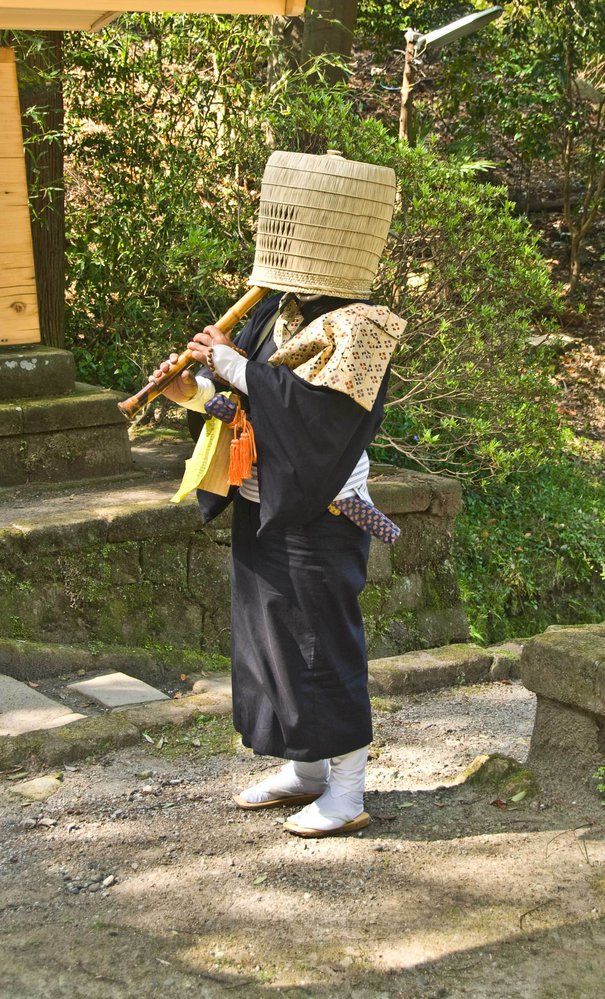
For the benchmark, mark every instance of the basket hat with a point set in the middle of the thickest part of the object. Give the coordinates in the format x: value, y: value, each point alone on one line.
x: 323, y: 223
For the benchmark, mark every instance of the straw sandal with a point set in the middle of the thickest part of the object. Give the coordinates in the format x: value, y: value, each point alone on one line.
x: 286, y: 799
x: 353, y: 825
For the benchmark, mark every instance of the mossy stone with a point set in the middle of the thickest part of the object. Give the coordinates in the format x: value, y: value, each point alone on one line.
x: 503, y: 775
x: 165, y: 561
x: 424, y: 541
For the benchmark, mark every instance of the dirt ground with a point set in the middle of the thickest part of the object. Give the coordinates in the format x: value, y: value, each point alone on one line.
x: 444, y: 895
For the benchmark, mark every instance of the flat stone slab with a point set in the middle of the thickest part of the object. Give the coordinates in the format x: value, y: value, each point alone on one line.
x: 219, y: 683
x: 415, y: 672
x: 110, y: 730
x: 114, y: 690
x: 23, y: 709
x: 568, y: 665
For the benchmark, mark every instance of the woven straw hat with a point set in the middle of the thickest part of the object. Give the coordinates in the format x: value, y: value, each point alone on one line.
x: 322, y: 225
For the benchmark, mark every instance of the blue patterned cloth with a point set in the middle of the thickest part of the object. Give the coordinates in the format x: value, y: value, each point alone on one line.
x: 369, y: 518
x: 223, y: 408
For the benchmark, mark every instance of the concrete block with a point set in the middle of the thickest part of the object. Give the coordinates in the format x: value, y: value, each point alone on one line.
x: 404, y: 594
x: 23, y: 709
x: 439, y: 627
x: 506, y: 661
x: 87, y: 406
x: 566, y: 669
x: 158, y: 519
x: 380, y: 568
x: 566, y: 741
x: 406, y: 494
x: 65, y: 455
x: 400, y: 491
x: 425, y: 540
x: 113, y: 690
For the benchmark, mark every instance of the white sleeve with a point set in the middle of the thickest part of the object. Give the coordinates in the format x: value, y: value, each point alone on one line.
x: 205, y: 392
x: 231, y: 366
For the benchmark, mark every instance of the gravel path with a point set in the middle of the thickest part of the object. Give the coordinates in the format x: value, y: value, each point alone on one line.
x: 444, y: 894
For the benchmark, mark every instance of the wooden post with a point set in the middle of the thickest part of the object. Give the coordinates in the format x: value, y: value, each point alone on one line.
x: 407, y: 83
x: 18, y: 302
x: 42, y: 88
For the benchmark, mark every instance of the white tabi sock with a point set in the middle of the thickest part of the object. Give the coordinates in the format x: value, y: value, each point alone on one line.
x: 343, y: 799
x: 293, y: 779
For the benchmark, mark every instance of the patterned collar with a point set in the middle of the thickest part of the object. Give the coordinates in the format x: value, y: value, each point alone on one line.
x: 296, y: 310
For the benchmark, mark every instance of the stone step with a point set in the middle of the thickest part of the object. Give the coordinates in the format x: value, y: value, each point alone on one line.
x: 62, y: 438
x: 31, y: 372
x: 24, y: 709
x: 85, y: 406
x: 430, y: 669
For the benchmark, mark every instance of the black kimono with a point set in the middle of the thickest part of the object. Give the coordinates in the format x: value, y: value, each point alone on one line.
x: 299, y: 660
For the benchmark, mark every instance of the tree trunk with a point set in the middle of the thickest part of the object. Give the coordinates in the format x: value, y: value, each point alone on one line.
x: 41, y: 87
x: 287, y: 34
x: 575, y: 262
x: 329, y: 27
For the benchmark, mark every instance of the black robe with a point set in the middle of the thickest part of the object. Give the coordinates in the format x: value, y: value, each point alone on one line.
x: 309, y: 438
x: 299, y: 661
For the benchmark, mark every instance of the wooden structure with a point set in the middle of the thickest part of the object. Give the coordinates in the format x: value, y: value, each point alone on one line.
x: 91, y: 15
x: 18, y: 302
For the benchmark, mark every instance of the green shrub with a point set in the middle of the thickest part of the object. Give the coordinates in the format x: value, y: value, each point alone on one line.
x: 531, y: 551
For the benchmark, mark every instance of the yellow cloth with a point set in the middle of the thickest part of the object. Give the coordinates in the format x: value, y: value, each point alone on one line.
x: 214, y: 440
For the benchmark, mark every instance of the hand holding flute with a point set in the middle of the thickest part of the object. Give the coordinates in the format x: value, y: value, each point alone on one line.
x: 170, y: 370
x: 184, y: 386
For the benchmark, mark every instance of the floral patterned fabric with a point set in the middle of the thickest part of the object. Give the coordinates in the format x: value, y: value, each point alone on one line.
x: 347, y: 350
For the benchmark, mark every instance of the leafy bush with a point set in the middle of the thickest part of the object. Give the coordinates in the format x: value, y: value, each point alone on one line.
x: 531, y: 551
x: 156, y: 117
x: 468, y: 395
x: 384, y: 22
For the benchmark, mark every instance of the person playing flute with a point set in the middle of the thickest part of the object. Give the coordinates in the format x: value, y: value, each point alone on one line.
x: 311, y: 367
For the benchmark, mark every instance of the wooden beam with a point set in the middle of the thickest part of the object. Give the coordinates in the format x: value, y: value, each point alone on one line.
x: 174, y: 6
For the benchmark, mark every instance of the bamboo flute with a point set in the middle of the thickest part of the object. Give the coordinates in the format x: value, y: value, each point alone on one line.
x: 130, y: 407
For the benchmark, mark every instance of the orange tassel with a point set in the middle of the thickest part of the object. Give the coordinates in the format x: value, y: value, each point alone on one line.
x: 242, y: 454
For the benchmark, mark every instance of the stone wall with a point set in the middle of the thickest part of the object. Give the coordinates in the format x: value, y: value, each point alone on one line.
x: 148, y: 573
